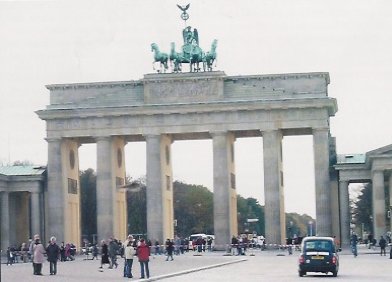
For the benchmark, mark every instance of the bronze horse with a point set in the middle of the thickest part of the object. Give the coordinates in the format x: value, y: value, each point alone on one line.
x: 160, y: 57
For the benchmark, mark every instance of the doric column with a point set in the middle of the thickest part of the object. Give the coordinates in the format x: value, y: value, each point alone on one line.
x: 155, y: 225
x: 323, y: 194
x: 378, y: 197
x: 5, y: 221
x: 105, y: 199
x: 390, y: 199
x: 273, y: 187
x: 55, y: 194
x: 344, y: 214
x: 225, y: 201
x: 35, y: 213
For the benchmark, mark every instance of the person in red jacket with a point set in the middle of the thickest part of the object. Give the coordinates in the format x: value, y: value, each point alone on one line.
x: 143, y: 254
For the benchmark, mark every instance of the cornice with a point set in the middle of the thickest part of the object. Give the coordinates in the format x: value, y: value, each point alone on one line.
x: 284, y: 76
x: 109, y: 84
x: 199, y: 107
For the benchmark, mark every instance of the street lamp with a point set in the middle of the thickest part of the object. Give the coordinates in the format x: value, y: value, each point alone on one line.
x: 291, y: 229
x: 310, y: 228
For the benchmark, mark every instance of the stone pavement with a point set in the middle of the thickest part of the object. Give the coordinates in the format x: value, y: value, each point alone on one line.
x: 264, y: 265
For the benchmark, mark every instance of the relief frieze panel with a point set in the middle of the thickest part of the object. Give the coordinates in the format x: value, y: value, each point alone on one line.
x: 184, y: 91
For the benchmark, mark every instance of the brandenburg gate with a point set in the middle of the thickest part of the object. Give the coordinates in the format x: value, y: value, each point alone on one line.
x: 164, y: 107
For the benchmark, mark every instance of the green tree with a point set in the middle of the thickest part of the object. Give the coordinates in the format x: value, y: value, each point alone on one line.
x: 362, y: 209
x: 297, y: 224
x: 88, y: 198
x: 250, y: 208
x: 193, y: 209
x: 137, y: 206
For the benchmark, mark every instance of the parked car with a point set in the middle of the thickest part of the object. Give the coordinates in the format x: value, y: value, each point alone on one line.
x: 318, y: 254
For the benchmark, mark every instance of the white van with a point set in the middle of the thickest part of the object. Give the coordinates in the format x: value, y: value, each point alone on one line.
x: 202, y: 235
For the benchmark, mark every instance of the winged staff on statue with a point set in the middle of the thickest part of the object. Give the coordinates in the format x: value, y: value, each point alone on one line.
x: 191, y: 53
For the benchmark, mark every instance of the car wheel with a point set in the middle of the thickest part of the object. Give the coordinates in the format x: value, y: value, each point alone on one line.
x: 334, y: 273
x: 301, y: 273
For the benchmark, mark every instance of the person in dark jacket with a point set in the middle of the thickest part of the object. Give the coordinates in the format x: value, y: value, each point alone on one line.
x: 169, y: 249
x: 383, y: 244
x: 143, y: 254
x: 104, y: 254
x: 53, y: 252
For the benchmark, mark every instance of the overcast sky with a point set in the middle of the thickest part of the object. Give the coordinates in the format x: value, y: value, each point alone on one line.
x: 48, y: 42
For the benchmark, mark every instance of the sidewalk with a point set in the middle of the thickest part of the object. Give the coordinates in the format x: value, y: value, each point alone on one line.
x: 88, y: 270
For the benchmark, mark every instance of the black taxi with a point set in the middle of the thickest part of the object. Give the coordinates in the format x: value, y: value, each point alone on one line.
x: 318, y: 254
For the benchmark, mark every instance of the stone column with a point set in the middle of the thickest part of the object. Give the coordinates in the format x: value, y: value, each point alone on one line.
x: 390, y: 199
x: 273, y: 187
x: 155, y: 224
x: 321, y: 169
x: 5, y: 221
x: 55, y: 195
x: 35, y: 213
x: 224, y: 218
x: 344, y: 214
x: 378, y: 197
x: 104, y: 189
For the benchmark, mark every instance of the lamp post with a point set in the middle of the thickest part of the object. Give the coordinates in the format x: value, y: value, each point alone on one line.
x: 291, y: 229
x: 310, y: 228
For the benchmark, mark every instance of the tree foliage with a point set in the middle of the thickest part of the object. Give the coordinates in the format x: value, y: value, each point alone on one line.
x: 362, y: 209
x: 88, y: 198
x: 137, y: 207
x: 193, y: 210
x: 250, y: 208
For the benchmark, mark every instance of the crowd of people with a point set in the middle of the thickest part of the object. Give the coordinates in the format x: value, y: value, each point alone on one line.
x: 36, y: 252
x: 371, y: 242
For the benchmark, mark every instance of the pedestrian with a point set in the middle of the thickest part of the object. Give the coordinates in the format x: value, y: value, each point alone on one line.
x: 95, y: 252
x: 10, y: 256
x: 169, y: 249
x: 129, y: 253
x: 38, y: 257
x: 124, y: 246
x: 382, y: 243
x: 143, y: 254
x: 354, y: 242
x: 104, y: 254
x: 113, y: 249
x: 370, y: 239
x: 62, y: 252
x: 157, y: 248
x: 234, y: 243
x: 53, y: 252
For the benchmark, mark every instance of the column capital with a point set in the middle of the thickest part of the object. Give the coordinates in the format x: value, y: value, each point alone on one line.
x: 376, y: 171
x: 320, y: 129
x: 53, y: 139
x: 271, y: 131
x: 344, y: 181
x: 218, y: 133
x: 102, y: 138
x: 151, y: 136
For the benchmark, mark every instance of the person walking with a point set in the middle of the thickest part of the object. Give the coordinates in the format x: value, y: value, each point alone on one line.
x: 104, y: 254
x: 354, y: 242
x: 113, y: 250
x: 143, y: 254
x: 38, y: 257
x: 129, y: 253
x: 10, y: 256
x: 383, y: 244
x: 95, y: 252
x: 169, y: 249
x: 53, y: 253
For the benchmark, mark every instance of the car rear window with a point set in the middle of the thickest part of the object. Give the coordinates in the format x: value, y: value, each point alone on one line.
x: 319, y: 245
